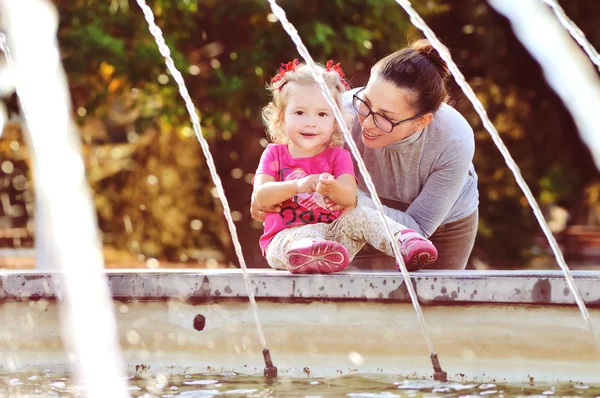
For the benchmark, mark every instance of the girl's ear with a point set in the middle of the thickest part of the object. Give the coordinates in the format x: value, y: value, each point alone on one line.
x: 424, y: 121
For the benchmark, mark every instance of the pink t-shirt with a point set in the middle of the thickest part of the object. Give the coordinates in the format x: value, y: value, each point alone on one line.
x: 303, y: 208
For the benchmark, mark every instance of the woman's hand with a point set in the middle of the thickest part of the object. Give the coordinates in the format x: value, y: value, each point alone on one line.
x: 348, y: 208
x: 333, y: 207
x: 258, y: 212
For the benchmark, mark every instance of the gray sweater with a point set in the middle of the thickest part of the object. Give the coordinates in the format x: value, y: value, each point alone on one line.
x: 429, y: 176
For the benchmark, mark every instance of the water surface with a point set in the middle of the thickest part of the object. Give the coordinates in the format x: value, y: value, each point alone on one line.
x: 49, y: 384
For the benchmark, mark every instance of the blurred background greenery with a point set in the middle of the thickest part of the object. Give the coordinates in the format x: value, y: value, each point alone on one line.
x: 152, y: 189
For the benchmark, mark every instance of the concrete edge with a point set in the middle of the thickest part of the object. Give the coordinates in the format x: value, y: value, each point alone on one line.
x: 432, y: 287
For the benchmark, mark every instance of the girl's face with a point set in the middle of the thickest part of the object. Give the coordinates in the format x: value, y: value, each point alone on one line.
x: 391, y: 103
x: 309, y: 121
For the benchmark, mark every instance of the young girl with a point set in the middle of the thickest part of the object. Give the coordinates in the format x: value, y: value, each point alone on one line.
x: 308, y: 171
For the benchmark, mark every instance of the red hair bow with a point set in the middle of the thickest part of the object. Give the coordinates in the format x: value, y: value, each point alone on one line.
x: 330, y: 67
x: 284, y: 68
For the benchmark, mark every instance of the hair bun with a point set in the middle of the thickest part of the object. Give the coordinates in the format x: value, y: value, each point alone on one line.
x: 424, y: 47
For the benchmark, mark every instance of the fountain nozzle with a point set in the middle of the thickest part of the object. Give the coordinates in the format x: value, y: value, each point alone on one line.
x: 270, y: 369
x: 438, y: 373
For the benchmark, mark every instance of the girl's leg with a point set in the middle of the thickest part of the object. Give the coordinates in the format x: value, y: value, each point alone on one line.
x: 304, y: 250
x: 276, y: 249
x: 364, y: 225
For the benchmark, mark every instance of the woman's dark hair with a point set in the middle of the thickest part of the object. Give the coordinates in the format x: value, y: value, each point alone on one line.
x: 420, y: 69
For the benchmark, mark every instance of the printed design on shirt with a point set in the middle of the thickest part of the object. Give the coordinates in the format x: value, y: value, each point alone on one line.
x: 303, y: 208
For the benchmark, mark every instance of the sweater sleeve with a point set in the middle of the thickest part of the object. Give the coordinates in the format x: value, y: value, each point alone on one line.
x: 364, y: 199
x: 439, y: 193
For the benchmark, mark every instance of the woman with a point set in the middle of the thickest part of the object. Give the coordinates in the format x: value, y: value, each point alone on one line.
x: 418, y: 151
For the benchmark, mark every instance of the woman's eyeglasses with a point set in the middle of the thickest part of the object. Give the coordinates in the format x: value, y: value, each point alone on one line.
x: 381, y: 121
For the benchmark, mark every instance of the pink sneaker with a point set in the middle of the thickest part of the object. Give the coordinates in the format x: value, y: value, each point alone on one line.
x: 417, y: 251
x: 321, y: 257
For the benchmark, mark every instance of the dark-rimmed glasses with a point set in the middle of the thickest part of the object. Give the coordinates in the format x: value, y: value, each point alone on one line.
x: 381, y: 121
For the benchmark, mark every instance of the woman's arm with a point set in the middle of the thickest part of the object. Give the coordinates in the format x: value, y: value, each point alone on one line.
x: 364, y: 199
x: 258, y: 212
x: 439, y: 193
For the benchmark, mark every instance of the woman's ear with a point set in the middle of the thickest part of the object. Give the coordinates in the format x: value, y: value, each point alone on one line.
x: 424, y: 121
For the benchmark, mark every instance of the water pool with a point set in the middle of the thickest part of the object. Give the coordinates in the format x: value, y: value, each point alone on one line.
x: 50, y: 384
x: 488, y: 328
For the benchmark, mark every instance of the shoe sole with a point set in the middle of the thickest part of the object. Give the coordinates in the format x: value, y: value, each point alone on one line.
x: 423, y: 257
x: 321, y: 257
x: 420, y: 260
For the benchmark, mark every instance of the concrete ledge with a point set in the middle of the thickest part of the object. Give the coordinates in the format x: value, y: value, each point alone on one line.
x: 432, y: 287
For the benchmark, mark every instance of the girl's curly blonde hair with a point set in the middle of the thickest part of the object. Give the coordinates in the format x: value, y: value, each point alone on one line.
x: 273, y: 113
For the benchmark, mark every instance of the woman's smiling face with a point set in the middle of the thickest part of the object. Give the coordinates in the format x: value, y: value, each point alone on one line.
x: 392, y: 102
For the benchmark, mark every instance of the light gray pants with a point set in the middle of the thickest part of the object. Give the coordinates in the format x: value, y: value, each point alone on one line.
x: 353, y: 229
x: 454, y: 242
